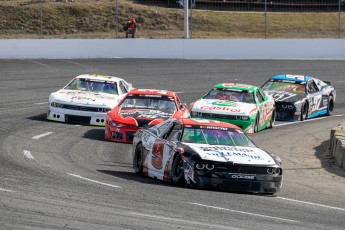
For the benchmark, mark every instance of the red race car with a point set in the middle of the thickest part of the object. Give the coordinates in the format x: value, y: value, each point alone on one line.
x: 142, y: 107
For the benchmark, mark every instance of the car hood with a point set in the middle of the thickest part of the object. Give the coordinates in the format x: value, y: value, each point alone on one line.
x: 84, y: 98
x: 146, y: 114
x: 281, y: 96
x: 223, y: 107
x: 236, y: 155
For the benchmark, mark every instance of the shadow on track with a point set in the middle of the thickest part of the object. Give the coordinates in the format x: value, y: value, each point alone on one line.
x: 323, y: 153
x: 39, y: 117
x: 95, y: 134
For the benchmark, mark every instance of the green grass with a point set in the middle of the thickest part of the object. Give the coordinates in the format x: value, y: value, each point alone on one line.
x: 96, y: 19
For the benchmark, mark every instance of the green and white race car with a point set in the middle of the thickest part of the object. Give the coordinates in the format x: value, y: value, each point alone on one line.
x: 246, y: 106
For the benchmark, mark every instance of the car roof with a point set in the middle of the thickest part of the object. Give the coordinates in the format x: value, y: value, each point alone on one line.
x: 237, y: 86
x: 100, y: 77
x: 291, y: 77
x: 153, y: 92
x: 205, y: 122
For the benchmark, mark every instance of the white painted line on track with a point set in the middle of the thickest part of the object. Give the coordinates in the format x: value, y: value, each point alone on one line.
x: 179, y: 92
x: 182, y: 221
x: 341, y: 81
x: 247, y: 213
x: 6, y: 190
x: 42, y: 135
x: 314, y: 204
x: 312, y: 119
x: 41, y: 103
x: 28, y: 154
x: 94, y: 181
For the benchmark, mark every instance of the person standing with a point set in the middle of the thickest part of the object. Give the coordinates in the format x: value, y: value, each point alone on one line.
x: 131, y: 28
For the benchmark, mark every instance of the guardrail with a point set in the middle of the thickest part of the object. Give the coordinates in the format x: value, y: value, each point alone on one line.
x: 337, y: 144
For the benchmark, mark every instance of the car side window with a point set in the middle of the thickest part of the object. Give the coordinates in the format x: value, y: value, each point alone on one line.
x: 175, y: 133
x: 259, y: 96
x: 122, y: 87
x: 163, y: 128
x: 312, y: 87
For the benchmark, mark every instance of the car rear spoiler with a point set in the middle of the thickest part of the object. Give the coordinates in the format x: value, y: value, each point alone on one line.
x: 327, y: 82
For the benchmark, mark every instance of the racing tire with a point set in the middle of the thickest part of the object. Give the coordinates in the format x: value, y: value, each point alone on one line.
x: 177, y: 175
x: 304, y: 111
x: 330, y: 106
x: 273, y: 119
x: 138, y: 159
x: 256, y: 124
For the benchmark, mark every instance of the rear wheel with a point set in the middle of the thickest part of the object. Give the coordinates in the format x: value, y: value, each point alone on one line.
x: 177, y: 170
x: 330, y: 106
x: 138, y: 159
x: 304, y: 111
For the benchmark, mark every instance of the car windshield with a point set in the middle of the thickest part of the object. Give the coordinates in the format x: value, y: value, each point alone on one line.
x: 230, y: 137
x: 93, y: 86
x: 162, y: 104
x: 284, y: 86
x: 231, y: 95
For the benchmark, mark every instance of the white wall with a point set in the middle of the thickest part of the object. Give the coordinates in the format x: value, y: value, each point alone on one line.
x: 174, y: 48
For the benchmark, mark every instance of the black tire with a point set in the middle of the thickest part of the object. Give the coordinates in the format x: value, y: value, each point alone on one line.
x: 138, y: 159
x: 330, y: 106
x: 177, y: 170
x: 273, y: 119
x: 256, y: 124
x: 304, y: 111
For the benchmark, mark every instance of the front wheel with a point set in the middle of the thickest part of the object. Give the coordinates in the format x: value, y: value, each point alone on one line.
x: 273, y: 119
x: 330, y: 106
x: 177, y: 170
x: 138, y: 159
x: 256, y: 124
x: 304, y: 111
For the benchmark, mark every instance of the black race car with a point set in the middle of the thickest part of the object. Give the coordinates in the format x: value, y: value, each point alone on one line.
x: 300, y: 97
x: 205, y: 154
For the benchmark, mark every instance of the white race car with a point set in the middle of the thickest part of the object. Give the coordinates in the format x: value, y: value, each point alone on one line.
x: 87, y: 99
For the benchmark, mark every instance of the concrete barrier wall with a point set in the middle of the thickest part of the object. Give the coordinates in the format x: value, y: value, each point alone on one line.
x: 174, y: 48
x: 337, y: 144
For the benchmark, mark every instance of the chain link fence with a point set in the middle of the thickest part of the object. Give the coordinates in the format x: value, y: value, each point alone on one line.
x: 165, y: 18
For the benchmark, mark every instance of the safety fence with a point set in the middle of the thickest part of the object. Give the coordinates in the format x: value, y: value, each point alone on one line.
x: 166, y: 18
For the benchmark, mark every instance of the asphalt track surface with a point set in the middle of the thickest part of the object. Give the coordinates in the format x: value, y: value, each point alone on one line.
x: 64, y: 176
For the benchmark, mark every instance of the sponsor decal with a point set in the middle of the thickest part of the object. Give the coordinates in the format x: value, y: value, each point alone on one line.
x: 234, y: 154
x: 220, y: 108
x: 281, y: 96
x: 150, y: 95
x: 242, y: 176
x: 290, y: 107
x: 83, y: 98
x: 225, y: 103
x: 229, y: 148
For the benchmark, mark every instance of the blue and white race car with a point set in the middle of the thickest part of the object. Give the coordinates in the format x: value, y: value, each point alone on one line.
x: 300, y: 97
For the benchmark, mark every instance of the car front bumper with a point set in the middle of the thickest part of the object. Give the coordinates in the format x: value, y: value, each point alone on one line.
x: 76, y: 116
x: 266, y: 184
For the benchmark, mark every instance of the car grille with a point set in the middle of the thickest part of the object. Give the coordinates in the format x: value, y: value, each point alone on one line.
x: 142, y: 122
x: 285, y: 107
x: 83, y: 108
x: 78, y: 119
x: 214, y: 115
x: 242, y: 169
x: 129, y: 135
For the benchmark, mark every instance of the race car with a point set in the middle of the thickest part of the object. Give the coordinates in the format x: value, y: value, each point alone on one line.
x: 246, y: 106
x: 86, y: 99
x: 299, y: 97
x: 142, y: 107
x: 205, y: 154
